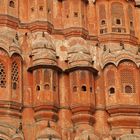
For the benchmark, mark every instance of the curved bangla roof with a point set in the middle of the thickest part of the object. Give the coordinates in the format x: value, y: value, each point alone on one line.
x: 43, y: 49
x: 87, y: 134
x: 79, y: 54
x: 48, y: 132
x: 43, y: 41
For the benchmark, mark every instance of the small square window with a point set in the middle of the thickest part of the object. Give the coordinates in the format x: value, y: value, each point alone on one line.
x: 118, y: 21
x: 41, y: 8
x: 75, y: 14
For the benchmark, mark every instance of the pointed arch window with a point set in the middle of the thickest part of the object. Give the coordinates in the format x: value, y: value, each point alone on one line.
x: 12, y: 4
x: 15, y: 76
x: 2, y: 76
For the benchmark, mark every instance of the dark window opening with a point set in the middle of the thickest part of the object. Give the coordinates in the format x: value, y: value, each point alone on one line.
x: 49, y: 11
x: 74, y: 89
x: 112, y: 90
x: 131, y: 24
x: 41, y: 8
x: 91, y: 89
x: 11, y: 4
x: 103, y: 22
x: 32, y: 9
x: 54, y: 88
x: 47, y: 86
x: 38, y: 88
x: 84, y: 88
x: 118, y: 21
x: 75, y: 14
x: 14, y: 85
x: 128, y: 89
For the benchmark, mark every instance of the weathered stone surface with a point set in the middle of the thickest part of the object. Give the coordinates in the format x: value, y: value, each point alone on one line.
x: 69, y: 70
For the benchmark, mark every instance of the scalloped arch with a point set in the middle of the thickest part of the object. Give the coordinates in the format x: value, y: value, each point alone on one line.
x: 17, y: 54
x: 128, y: 60
x: 109, y: 63
x: 119, y: 61
x: 5, y: 50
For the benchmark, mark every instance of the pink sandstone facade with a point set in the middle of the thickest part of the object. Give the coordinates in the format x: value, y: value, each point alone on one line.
x: 69, y: 69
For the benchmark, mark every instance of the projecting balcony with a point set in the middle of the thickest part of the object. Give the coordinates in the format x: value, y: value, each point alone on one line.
x: 118, y: 30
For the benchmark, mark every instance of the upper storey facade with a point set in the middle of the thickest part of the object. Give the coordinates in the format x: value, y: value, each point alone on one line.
x: 86, y: 18
x: 69, y: 68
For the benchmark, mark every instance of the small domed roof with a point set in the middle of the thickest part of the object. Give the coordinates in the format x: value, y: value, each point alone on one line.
x: 43, y: 50
x: 78, y: 48
x: 79, y: 55
x: 43, y: 41
x: 47, y: 132
x: 85, y: 135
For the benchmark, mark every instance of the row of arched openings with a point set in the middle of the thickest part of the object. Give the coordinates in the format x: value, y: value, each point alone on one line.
x: 46, y: 79
x: 81, y: 81
x: 14, y: 75
x: 124, y: 75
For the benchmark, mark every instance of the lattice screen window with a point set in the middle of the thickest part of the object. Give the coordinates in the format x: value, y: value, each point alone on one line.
x: 2, y: 76
x: 127, y: 81
x: 15, y: 76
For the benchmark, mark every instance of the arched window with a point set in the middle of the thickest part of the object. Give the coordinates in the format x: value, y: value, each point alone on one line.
x: 128, y: 89
x: 38, y: 88
x: 2, y: 76
x: 103, y: 22
x: 74, y: 89
x: 15, y: 75
x: 47, y: 87
x: 12, y: 4
x: 112, y: 90
x: 84, y: 88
